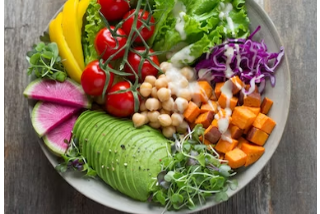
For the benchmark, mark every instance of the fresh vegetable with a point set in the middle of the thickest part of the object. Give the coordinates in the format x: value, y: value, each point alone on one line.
x: 236, y: 158
x: 47, y: 116
x: 242, y: 117
x: 144, y: 32
x: 92, y: 25
x: 107, y: 44
x: 67, y: 93
x: 253, y: 152
x: 44, y: 61
x: 71, y: 30
x: 257, y: 136
x: 93, y: 79
x: 192, y: 112
x: 82, y: 8
x: 126, y: 158
x: 264, y: 123
x: 114, y: 10
x: 140, y: 63
x: 192, y: 27
x: 68, y: 60
x: 266, y: 105
x: 121, y: 101
x: 58, y: 139
x: 248, y: 59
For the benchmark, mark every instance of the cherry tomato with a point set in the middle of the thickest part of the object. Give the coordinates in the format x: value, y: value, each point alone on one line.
x: 106, y: 44
x: 93, y: 79
x: 145, y: 33
x: 114, y: 9
x: 147, y: 68
x: 122, y: 104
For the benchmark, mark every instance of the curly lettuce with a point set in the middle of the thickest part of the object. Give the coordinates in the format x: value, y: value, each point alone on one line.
x: 92, y: 25
x: 188, y: 28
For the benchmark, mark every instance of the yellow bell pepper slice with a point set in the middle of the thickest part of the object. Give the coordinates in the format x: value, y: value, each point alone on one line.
x: 82, y: 8
x: 68, y: 60
x: 71, y: 30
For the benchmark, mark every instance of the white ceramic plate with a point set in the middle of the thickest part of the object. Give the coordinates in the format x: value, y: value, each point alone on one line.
x: 100, y: 192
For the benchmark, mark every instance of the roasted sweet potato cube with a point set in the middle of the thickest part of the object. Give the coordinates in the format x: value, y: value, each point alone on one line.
x: 210, y: 106
x: 205, y: 92
x: 257, y: 136
x: 192, y: 112
x: 255, y: 110
x: 212, y: 133
x: 205, y: 119
x: 236, y: 158
x: 223, y: 101
x: 235, y: 131
x: 242, y: 95
x: 241, y: 140
x: 217, y: 89
x: 213, y: 97
x: 246, y: 130
x: 264, y: 123
x: 266, y: 105
x: 225, y: 146
x: 243, y: 118
x: 237, y: 84
x: 252, y: 100
x: 253, y: 152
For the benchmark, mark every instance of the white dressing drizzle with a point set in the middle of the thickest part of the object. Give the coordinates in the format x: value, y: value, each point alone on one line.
x: 229, y: 53
x: 179, y: 11
x: 182, y: 56
x: 224, y: 14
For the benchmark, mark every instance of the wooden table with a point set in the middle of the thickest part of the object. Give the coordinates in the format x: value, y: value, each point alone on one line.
x: 286, y: 185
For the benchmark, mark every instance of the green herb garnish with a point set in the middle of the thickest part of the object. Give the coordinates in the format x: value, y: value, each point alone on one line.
x: 44, y: 61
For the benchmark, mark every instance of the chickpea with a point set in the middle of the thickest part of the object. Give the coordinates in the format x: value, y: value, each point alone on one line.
x: 173, y: 88
x: 145, y: 113
x: 143, y: 105
x: 145, y: 89
x: 168, y: 105
x: 185, y: 93
x: 138, y: 120
x: 161, y: 83
x: 150, y: 79
x: 183, y: 83
x: 165, y: 120
x: 164, y: 66
x: 153, y: 104
x: 168, y: 131
x: 183, y: 127
x: 153, y: 116
x: 155, y: 125
x: 163, y: 111
x: 182, y: 104
x: 154, y: 93
x: 162, y: 76
x: 177, y: 119
x: 188, y: 72
x: 164, y: 94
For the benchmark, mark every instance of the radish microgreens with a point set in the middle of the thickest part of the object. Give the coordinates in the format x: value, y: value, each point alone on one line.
x: 192, y: 173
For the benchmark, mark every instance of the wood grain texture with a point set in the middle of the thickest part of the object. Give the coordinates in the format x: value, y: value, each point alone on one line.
x: 286, y: 185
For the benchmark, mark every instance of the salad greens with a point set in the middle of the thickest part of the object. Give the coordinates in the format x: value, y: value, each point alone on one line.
x: 44, y: 61
x: 92, y: 25
x: 194, y: 26
x: 192, y: 174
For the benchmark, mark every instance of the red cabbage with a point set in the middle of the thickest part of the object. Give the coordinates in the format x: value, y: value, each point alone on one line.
x: 248, y: 59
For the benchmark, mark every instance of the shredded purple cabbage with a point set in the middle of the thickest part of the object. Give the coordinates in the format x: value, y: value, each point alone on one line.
x: 250, y: 60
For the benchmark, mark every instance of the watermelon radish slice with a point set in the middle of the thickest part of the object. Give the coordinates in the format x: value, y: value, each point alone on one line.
x: 66, y: 93
x: 46, y: 116
x: 57, y: 139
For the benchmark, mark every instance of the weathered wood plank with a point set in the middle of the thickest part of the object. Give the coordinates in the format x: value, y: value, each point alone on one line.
x: 286, y: 185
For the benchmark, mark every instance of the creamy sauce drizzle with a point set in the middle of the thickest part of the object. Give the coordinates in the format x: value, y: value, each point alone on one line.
x: 182, y: 56
x: 179, y: 11
x: 224, y: 14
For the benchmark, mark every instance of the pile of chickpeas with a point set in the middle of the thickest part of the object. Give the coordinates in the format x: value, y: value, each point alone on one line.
x: 165, y: 101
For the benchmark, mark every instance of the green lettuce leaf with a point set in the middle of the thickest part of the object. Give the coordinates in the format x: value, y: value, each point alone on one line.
x: 92, y: 25
x: 204, y: 23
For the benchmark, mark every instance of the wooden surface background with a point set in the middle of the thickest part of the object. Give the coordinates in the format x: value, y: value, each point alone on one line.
x: 286, y: 185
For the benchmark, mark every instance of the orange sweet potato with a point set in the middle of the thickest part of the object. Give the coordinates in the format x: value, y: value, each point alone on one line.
x: 205, y: 92
x: 253, y: 152
x: 241, y: 140
x: 212, y: 133
x: 266, y: 105
x: 236, y: 158
x: 235, y: 131
x: 224, y: 146
x: 252, y: 100
x: 257, y: 136
x: 246, y: 130
x: 255, y: 110
x: 237, y: 84
x: 243, y: 118
x: 217, y: 89
x: 223, y: 101
x: 192, y: 112
x: 210, y: 106
x: 264, y: 123
x: 205, y: 119
x: 213, y: 97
